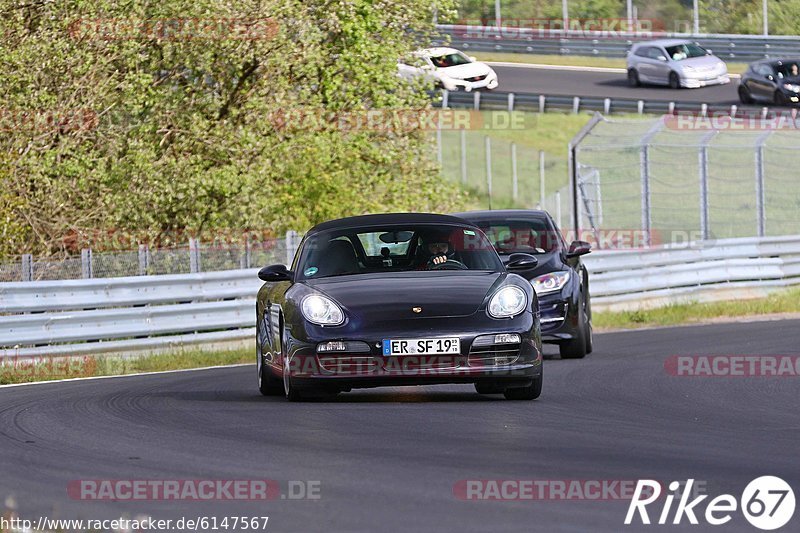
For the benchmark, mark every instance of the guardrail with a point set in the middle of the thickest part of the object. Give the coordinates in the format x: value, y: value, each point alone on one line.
x: 743, y: 48
x: 712, y: 270
x: 77, y: 317
x: 545, y: 102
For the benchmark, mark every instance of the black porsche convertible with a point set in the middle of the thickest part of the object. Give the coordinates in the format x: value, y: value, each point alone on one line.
x: 398, y: 299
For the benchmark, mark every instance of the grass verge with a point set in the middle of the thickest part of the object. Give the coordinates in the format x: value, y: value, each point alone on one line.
x: 576, y: 61
x: 25, y: 370
x: 787, y: 301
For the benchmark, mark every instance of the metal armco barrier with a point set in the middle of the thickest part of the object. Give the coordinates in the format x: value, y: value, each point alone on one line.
x: 77, y: 317
x: 527, y: 41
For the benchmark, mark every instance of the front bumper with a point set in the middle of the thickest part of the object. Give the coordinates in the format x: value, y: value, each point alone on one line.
x: 510, y: 363
x: 489, y: 82
x: 698, y: 81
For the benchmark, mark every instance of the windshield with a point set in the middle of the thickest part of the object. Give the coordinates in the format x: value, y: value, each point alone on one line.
x: 520, y: 236
x: 450, y: 60
x: 685, y: 51
x: 396, y: 248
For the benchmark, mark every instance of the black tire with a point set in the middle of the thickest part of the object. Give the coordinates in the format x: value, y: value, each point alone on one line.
x: 674, y: 81
x: 576, y: 348
x: 483, y: 387
x: 531, y: 392
x: 290, y: 390
x: 268, y: 384
x: 780, y: 99
x: 589, y: 330
x: 633, y: 78
x: 744, y: 95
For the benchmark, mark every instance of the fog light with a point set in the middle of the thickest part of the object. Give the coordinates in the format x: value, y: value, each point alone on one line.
x: 332, y: 346
x: 506, y: 338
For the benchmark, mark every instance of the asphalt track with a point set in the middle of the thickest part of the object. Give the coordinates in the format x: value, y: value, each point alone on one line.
x: 388, y: 459
x: 604, y: 84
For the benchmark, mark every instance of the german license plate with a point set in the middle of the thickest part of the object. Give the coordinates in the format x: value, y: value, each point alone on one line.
x: 445, y: 346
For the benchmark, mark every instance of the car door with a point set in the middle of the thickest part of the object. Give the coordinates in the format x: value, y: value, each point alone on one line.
x: 660, y: 64
x: 763, y: 84
x: 644, y: 66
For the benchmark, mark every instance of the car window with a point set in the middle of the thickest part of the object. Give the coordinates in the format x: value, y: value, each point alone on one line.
x: 642, y: 51
x: 654, y: 53
x: 765, y: 70
x: 410, y: 248
x: 685, y: 51
x: 450, y: 60
x: 414, y: 61
x: 531, y: 236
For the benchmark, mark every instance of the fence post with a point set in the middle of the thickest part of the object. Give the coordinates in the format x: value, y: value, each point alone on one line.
x: 514, y: 182
x: 488, y: 148
x: 704, y: 223
x: 144, y: 259
x: 194, y: 256
x: 86, y: 263
x: 439, y: 141
x: 558, y: 211
x: 644, y: 169
x: 27, y: 267
x: 244, y: 260
x: 463, y: 156
x: 291, y: 246
x: 761, y: 214
x: 541, y: 180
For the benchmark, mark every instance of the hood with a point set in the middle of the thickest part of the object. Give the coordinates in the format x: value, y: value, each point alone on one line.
x: 382, y: 297
x: 702, y: 62
x: 467, y: 70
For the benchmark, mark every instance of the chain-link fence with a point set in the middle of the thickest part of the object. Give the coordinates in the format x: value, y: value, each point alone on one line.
x: 196, y: 256
x: 708, y: 177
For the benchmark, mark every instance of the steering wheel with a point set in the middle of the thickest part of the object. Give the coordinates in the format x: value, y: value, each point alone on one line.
x: 450, y: 264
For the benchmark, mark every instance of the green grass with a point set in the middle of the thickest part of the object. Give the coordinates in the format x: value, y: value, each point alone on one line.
x: 787, y: 301
x: 49, y: 369
x: 577, y: 61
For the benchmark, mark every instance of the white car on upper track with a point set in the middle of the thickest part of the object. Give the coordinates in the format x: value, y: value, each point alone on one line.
x: 449, y: 68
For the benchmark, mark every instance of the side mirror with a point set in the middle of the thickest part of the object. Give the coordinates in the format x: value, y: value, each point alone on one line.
x: 709, y: 52
x: 275, y: 273
x: 521, y: 262
x: 578, y: 248
x: 770, y: 77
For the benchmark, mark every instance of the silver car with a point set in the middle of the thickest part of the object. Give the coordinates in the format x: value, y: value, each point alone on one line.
x: 674, y: 62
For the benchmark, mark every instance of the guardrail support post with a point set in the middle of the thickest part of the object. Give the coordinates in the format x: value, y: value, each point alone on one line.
x: 541, y: 180
x: 703, y: 110
x: 607, y: 106
x: 576, y: 104
x: 510, y: 102
x: 734, y: 108
x: 27, y: 267
x: 194, y: 256
x: 640, y: 106
x: 86, y: 263
x: 445, y: 98
x: 463, y: 156
x: 541, y: 103
x: 476, y: 100
x: 514, y: 182
x: 488, y: 147
x: 144, y: 259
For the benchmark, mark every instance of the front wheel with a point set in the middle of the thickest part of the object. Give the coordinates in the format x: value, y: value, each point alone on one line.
x: 268, y: 384
x: 577, y: 347
x: 531, y: 392
x: 674, y: 81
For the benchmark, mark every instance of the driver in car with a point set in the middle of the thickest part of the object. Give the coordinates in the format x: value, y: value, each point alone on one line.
x: 435, y: 250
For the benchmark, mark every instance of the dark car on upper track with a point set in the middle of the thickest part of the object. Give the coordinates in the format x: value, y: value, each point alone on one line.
x: 775, y: 81
x: 397, y: 299
x: 559, y: 278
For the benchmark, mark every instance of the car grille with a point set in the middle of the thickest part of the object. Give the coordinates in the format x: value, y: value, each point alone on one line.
x: 347, y: 364
x: 494, y: 354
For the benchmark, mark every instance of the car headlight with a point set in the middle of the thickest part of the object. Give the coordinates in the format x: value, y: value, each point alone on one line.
x: 507, y: 302
x: 552, y: 282
x: 321, y: 310
x: 688, y: 69
x: 792, y: 87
